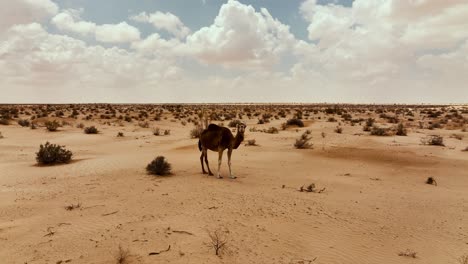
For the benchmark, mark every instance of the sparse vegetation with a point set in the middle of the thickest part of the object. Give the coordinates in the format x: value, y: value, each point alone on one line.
x: 120, y: 134
x: 401, y: 130
x: 408, y: 253
x: 72, y: 207
x: 431, y: 181
x: 380, y: 131
x: 24, y: 122
x: 52, y: 126
x: 122, y: 255
x: 295, y: 122
x: 91, y: 130
x: 463, y: 259
x: 339, y: 130
x: 303, y: 141
x: 234, y: 123
x: 156, y: 131
x: 433, y: 140
x: 159, y: 166
x: 50, y: 154
x: 218, y: 240
x: 196, y: 132
x: 251, y: 142
x: 271, y: 130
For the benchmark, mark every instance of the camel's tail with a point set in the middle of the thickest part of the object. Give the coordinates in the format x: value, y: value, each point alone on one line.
x: 199, y: 145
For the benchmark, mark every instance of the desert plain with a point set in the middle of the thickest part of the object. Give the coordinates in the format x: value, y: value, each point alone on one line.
x: 358, y: 193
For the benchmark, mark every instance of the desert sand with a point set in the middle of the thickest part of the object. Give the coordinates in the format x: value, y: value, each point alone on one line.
x: 374, y: 204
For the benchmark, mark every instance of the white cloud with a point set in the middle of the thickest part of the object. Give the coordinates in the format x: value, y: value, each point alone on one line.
x: 240, y: 36
x: 70, y: 21
x: 117, y: 33
x: 375, y: 50
x: 66, y: 21
x: 25, y: 11
x: 166, y: 21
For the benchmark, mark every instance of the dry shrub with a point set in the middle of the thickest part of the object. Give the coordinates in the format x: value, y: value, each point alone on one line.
x: 156, y: 131
x: 52, y: 125
x: 251, y: 142
x: 234, y: 123
x: 50, y: 154
x: 401, y: 130
x: 408, y: 253
x: 271, y: 130
x: 339, y: 130
x: 24, y: 122
x: 219, y: 240
x: 143, y: 124
x: 196, y: 132
x: 122, y: 256
x: 433, y: 140
x: 91, y: 130
x: 303, y: 141
x: 380, y: 131
x: 295, y: 122
x: 431, y: 181
x: 159, y: 166
x: 120, y: 134
x: 463, y: 259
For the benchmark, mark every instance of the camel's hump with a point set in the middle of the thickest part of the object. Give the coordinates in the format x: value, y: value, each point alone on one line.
x: 213, y: 127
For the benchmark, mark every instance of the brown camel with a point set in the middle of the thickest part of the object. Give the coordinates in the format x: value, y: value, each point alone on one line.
x: 217, y: 138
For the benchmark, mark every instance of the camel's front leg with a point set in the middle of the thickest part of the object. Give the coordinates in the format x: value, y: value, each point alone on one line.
x: 220, y: 152
x: 229, y: 164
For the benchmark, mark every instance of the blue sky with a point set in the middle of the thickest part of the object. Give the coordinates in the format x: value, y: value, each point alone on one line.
x: 147, y: 51
x: 194, y: 13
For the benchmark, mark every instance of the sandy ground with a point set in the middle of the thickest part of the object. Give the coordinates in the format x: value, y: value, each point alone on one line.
x: 375, y: 205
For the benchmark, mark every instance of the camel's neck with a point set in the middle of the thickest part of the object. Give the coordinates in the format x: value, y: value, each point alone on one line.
x: 238, y: 140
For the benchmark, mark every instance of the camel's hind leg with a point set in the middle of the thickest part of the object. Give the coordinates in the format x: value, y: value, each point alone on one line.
x: 220, y: 157
x: 229, y: 164
x: 205, y: 153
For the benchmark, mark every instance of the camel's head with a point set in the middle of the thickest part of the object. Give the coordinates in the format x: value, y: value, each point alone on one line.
x: 241, y: 128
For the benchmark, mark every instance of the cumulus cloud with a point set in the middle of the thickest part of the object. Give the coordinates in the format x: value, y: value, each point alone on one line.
x: 70, y: 21
x: 165, y: 21
x: 50, y: 67
x: 373, y: 51
x: 381, y: 44
x: 25, y: 11
x: 241, y: 36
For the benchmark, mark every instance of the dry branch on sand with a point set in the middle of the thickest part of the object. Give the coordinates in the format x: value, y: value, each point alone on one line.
x: 218, y: 240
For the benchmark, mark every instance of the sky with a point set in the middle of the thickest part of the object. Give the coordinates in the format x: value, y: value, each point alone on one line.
x: 214, y: 51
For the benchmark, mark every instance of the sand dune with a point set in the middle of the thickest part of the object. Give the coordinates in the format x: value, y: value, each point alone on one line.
x: 375, y: 204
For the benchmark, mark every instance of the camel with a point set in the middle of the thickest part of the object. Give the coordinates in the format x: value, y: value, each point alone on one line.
x: 217, y: 138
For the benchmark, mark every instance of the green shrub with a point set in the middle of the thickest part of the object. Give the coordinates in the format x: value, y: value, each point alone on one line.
x: 159, y: 166
x: 50, y: 154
